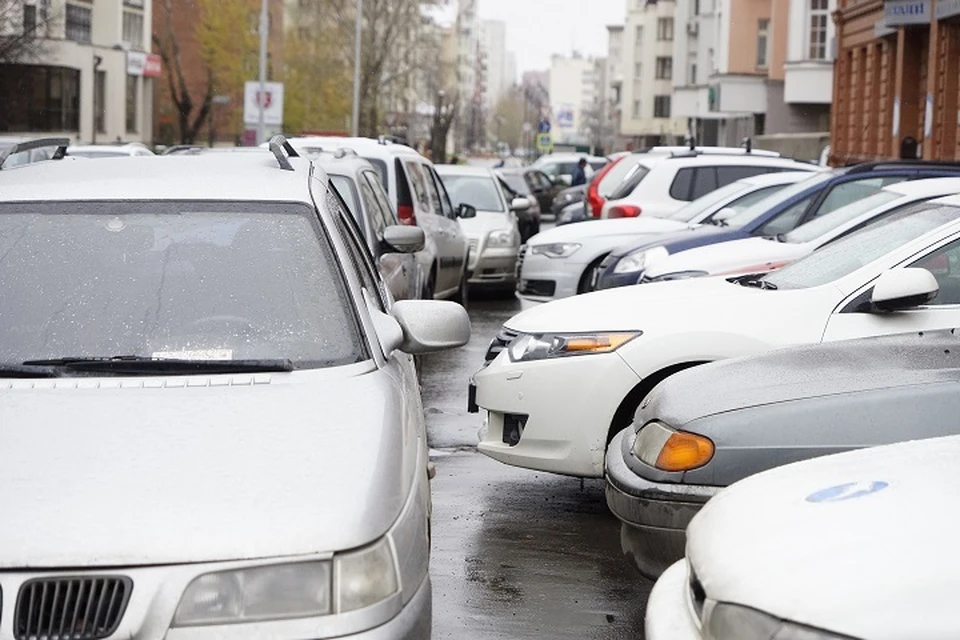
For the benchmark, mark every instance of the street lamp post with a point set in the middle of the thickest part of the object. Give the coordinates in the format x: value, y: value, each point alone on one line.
x: 261, y: 97
x: 355, y: 121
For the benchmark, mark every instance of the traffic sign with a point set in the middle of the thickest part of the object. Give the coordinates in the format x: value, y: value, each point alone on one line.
x: 544, y: 126
x: 544, y: 141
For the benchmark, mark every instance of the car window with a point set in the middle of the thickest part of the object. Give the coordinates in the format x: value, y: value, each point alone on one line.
x: 761, y: 207
x: 381, y: 168
x: 944, y: 264
x: 360, y: 257
x: 419, y: 182
x: 517, y: 184
x: 542, y: 180
x: 786, y: 220
x: 843, y: 194
x: 445, y: 205
x: 705, y: 181
x: 189, y: 280
x: 874, y: 241
x: 612, y: 178
x: 827, y: 223
x: 749, y: 199
x: 680, y: 188
x: 596, y: 165
x: 348, y: 191
x: 377, y: 219
x: 478, y: 191
x: 728, y: 174
x: 688, y: 212
x: 389, y: 215
x: 630, y: 182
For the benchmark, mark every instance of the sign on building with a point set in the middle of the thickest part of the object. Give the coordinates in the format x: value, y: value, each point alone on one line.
x: 906, y: 12
x: 565, y: 116
x: 272, y: 101
x: 148, y: 65
x: 947, y: 9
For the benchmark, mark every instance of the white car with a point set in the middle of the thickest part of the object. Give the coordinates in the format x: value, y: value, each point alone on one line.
x: 853, y: 545
x: 658, y: 184
x: 576, y: 370
x: 493, y: 234
x: 97, y: 151
x: 559, y: 167
x: 762, y: 254
x: 212, y: 425
x: 560, y: 262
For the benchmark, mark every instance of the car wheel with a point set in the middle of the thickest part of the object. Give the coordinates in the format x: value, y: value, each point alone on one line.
x: 586, y: 280
x: 463, y: 296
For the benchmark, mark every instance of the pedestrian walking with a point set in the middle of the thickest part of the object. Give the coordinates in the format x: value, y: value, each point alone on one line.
x: 580, y: 173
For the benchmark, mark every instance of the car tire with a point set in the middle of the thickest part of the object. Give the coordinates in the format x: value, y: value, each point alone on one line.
x: 586, y: 280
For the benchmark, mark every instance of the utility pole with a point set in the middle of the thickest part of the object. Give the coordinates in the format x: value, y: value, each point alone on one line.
x: 261, y: 98
x: 358, y: 32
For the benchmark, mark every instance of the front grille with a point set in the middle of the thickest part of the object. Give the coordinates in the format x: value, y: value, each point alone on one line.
x: 499, y: 343
x: 71, y: 608
x: 542, y: 288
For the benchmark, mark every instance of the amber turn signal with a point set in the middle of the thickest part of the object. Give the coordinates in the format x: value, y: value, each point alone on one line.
x: 684, y: 451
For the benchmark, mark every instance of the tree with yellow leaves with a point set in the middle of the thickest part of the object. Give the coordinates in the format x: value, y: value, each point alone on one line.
x: 316, y: 78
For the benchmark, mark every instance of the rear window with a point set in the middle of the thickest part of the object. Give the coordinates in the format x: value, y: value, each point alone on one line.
x: 612, y: 178
x: 630, y: 182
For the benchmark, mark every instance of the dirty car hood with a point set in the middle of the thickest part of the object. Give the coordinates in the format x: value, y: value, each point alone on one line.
x: 139, y: 471
x: 848, y: 366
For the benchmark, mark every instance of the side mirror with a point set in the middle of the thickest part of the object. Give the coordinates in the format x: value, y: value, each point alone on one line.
x: 403, y: 239
x: 721, y: 217
x: 466, y: 211
x: 899, y: 289
x: 520, y: 204
x: 430, y: 325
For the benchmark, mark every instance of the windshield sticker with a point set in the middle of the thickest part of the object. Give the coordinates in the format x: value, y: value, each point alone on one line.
x: 848, y: 491
x: 196, y: 354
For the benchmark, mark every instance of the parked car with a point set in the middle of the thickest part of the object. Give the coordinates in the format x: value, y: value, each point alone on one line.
x: 419, y: 198
x: 563, y: 261
x: 16, y: 151
x: 854, y: 545
x: 759, y: 255
x: 216, y: 330
x: 559, y: 167
x: 567, y: 197
x: 538, y: 184
x: 576, y: 370
x: 493, y: 233
x: 780, y: 214
x: 358, y: 183
x: 524, y: 184
x: 658, y: 184
x: 97, y: 151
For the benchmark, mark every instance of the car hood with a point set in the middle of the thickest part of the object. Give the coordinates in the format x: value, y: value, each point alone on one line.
x: 734, y: 257
x: 606, y: 228
x: 860, y: 543
x: 134, y: 471
x: 681, y: 240
x: 484, y: 223
x: 833, y: 368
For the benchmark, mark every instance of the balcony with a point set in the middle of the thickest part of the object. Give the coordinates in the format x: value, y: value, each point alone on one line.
x: 808, y: 82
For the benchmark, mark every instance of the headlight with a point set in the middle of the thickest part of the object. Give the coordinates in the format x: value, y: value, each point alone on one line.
x: 640, y: 260
x: 500, y: 238
x: 734, y: 622
x: 556, y: 250
x: 540, y: 346
x: 659, y: 446
x: 297, y: 590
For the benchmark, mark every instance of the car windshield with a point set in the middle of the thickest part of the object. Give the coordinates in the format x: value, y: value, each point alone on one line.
x: 859, y: 249
x: 708, y: 202
x: 348, y: 191
x: 612, y: 178
x: 180, y: 280
x: 478, y: 191
x: 753, y: 212
x: 827, y: 223
x: 516, y: 182
x: 630, y: 182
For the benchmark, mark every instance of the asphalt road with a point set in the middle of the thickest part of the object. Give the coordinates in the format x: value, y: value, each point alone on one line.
x: 516, y: 553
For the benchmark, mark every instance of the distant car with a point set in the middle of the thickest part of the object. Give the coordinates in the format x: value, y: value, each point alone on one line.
x: 559, y: 167
x: 854, y: 545
x: 493, y: 233
x: 746, y: 415
x: 420, y: 199
x: 534, y: 186
x: 95, y: 151
x: 215, y: 328
x: 16, y: 151
x: 563, y: 261
x: 782, y: 212
x: 576, y: 370
x: 567, y: 197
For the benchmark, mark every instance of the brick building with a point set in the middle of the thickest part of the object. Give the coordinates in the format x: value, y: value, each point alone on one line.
x: 897, y: 74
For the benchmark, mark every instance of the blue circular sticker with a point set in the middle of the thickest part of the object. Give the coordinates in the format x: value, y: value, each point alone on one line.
x: 848, y: 491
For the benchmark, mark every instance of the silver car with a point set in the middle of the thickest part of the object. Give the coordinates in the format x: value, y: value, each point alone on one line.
x: 211, y: 422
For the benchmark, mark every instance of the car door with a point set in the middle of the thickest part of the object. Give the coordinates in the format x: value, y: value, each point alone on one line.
x: 456, y: 247
x: 399, y: 270
x: 943, y: 262
x: 541, y: 188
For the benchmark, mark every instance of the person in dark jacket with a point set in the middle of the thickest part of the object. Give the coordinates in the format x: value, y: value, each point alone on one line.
x: 580, y: 173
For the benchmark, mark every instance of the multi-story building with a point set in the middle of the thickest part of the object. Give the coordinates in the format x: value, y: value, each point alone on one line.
x: 896, y: 77
x: 494, y: 45
x: 469, y: 126
x: 573, y: 97
x: 84, y: 70
x: 614, y: 88
x: 800, y: 85
x: 648, y: 116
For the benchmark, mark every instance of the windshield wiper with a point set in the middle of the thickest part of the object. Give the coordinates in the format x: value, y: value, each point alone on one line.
x: 754, y: 280
x: 11, y: 370
x: 147, y: 365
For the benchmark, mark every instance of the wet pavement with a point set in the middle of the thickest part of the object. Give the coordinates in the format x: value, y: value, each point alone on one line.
x: 516, y: 553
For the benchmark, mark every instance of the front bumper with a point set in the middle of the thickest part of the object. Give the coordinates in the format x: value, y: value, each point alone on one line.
x: 655, y: 515
x: 566, y: 405
x: 669, y: 612
x: 494, y: 267
x: 542, y: 279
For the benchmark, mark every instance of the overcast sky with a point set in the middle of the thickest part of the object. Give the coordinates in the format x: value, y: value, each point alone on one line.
x: 536, y: 29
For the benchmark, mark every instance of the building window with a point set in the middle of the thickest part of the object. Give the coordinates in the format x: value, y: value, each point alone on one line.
x: 692, y: 78
x: 664, y: 68
x: 29, y: 18
x: 661, y: 106
x: 100, y: 104
x: 636, y: 108
x: 819, y: 18
x: 639, y: 38
x: 133, y: 30
x: 665, y: 29
x: 79, y: 23
x: 38, y: 98
x: 637, y: 70
x: 696, y: 7
x: 133, y: 87
x: 763, y: 42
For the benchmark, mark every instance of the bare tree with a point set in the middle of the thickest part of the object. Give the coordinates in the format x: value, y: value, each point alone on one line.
x: 23, y: 31
x: 445, y: 111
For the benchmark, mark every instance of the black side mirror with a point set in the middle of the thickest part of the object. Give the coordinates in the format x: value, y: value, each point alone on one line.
x: 466, y: 211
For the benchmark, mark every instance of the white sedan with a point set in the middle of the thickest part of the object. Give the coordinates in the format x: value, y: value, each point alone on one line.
x: 855, y: 545
x: 763, y: 254
x: 577, y: 369
x: 560, y: 262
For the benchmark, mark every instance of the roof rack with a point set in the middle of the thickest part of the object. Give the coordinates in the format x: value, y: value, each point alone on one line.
x: 865, y: 167
x: 343, y: 152
x: 40, y: 143
x: 282, y: 150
